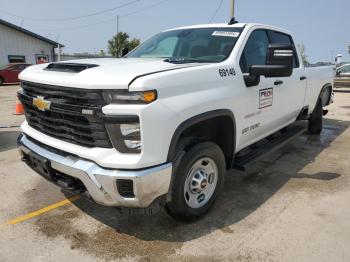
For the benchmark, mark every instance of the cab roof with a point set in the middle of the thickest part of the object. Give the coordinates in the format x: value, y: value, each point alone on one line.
x: 236, y: 25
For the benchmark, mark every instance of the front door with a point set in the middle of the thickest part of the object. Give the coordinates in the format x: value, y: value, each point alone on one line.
x: 260, y: 100
x: 275, y: 102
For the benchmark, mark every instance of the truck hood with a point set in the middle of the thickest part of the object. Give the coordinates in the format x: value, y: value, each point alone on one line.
x: 108, y: 73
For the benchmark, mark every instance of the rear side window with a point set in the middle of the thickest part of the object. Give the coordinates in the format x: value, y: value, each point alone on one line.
x: 281, y: 38
x: 255, y: 50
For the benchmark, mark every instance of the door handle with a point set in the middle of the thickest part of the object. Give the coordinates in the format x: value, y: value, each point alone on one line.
x: 302, y: 78
x: 278, y: 82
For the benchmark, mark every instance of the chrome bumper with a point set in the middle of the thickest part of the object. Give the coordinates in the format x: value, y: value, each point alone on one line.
x: 101, y: 184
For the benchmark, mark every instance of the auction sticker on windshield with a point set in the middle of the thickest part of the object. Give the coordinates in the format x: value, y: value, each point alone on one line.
x: 226, y: 33
x: 265, y: 97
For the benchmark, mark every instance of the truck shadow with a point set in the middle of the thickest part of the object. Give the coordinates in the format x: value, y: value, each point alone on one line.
x: 243, y: 193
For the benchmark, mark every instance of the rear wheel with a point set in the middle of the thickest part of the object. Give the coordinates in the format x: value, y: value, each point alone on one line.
x: 199, y: 176
x: 316, y: 119
x: 1, y: 81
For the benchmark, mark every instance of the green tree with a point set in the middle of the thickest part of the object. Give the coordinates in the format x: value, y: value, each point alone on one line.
x: 120, y: 42
x: 102, y: 53
x: 134, y: 43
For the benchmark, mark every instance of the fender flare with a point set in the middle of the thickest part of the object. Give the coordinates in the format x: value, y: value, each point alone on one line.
x: 197, y: 119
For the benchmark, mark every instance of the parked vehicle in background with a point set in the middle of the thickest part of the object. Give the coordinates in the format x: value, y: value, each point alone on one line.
x: 343, y: 71
x: 342, y: 78
x: 168, y: 120
x: 9, y: 73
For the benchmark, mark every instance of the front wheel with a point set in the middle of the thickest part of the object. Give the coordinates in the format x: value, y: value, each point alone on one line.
x: 199, y: 177
x: 1, y: 81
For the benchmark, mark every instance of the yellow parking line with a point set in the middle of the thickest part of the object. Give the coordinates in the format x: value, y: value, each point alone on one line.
x: 41, y: 211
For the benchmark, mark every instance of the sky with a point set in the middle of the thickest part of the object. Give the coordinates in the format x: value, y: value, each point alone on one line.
x: 321, y: 25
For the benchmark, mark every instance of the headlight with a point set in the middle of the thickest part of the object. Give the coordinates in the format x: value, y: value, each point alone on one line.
x: 126, y: 138
x: 131, y: 131
x: 126, y: 97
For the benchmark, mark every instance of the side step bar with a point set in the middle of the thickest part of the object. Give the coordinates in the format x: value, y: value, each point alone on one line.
x: 267, y: 145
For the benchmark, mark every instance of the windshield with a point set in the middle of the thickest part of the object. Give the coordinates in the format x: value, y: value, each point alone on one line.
x: 190, y: 45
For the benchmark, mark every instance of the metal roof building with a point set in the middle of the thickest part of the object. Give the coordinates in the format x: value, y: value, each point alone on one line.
x: 18, y: 45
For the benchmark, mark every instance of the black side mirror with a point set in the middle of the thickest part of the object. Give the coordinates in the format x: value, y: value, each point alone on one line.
x: 279, y: 63
x: 337, y: 72
x: 125, y: 51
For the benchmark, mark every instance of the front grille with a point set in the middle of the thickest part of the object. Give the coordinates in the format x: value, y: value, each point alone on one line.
x: 64, y: 119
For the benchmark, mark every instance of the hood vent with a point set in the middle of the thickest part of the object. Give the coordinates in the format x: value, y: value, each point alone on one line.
x: 69, y: 67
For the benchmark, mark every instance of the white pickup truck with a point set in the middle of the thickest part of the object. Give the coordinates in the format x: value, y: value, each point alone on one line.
x: 164, y: 123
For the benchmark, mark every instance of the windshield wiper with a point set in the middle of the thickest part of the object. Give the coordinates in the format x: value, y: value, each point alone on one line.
x: 181, y: 60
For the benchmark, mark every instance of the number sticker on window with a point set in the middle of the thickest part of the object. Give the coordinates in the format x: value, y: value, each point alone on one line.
x: 226, y: 33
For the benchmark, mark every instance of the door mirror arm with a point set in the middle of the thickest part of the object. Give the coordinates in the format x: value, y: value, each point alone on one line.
x: 251, y: 80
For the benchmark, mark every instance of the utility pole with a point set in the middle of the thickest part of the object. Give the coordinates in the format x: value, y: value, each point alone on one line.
x: 58, y: 52
x: 117, y: 36
x: 58, y: 48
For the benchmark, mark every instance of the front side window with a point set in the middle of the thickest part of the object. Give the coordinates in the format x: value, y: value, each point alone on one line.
x: 255, y: 50
x: 190, y: 45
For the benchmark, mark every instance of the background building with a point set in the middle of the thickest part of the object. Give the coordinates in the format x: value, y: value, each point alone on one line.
x: 18, y: 45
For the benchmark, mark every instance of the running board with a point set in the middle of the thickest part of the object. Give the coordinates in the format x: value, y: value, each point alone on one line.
x: 267, y: 146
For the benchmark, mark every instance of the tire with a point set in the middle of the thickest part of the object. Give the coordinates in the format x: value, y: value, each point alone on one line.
x: 316, y: 119
x: 198, y: 180
x: 1, y: 81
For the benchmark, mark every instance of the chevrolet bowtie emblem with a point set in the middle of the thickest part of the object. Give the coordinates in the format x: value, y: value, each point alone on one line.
x: 40, y: 103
